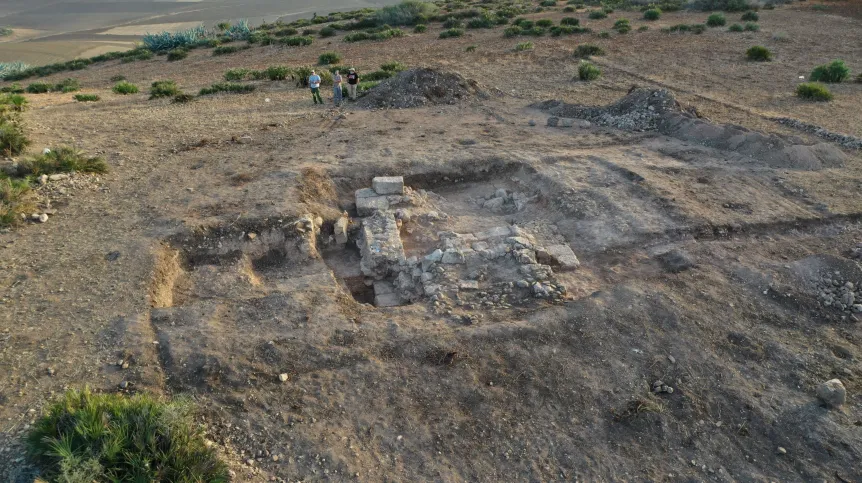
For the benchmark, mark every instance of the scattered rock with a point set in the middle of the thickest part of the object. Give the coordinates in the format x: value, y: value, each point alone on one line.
x: 832, y: 393
x: 283, y: 377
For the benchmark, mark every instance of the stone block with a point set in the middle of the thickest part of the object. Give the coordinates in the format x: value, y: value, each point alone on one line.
x: 380, y: 246
x: 563, y: 256
x: 365, y: 193
x: 496, y: 232
x: 494, y: 204
x: 388, y: 185
x: 452, y: 257
x: 468, y: 285
x: 370, y: 205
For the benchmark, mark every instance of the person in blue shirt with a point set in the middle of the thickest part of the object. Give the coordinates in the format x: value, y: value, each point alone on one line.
x: 314, y: 83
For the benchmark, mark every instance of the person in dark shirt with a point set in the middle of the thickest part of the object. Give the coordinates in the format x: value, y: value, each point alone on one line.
x: 352, y: 82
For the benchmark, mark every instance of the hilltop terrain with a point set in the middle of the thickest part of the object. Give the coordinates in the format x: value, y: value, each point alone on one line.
x: 239, y: 251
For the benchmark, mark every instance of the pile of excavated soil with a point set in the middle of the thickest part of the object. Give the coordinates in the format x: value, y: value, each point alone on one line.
x: 421, y: 87
x: 658, y: 110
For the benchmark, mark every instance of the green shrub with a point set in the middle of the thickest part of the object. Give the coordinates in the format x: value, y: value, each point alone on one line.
x: 39, y: 88
x: 378, y: 75
x: 570, y: 21
x: 15, y: 198
x: 451, y: 33
x: 470, y: 48
x: 750, y: 16
x: 67, y: 86
x: 588, y: 71
x: 549, y: 3
x: 63, y: 159
x: 604, y: 34
x: 524, y: 46
x: 597, y: 15
x: 758, y: 53
x: 408, y: 12
x: 698, y: 28
x: 523, y: 23
x: 483, y: 22
x: 309, y: 32
x: 118, y: 78
x: 716, y: 20
x: 365, y: 86
x: 14, y: 102
x: 110, y: 437
x: 327, y: 58
x: 833, y: 72
x: 12, y: 139
x: 125, y: 88
x: 141, y: 54
x: 643, y: 28
x: 420, y: 28
x: 235, y: 74
x: 230, y: 87
x: 512, y: 31
x: 297, y: 41
x: 277, y: 72
x: 229, y: 49
x: 393, y: 66
x: 752, y: 27
x: 453, y: 23
x: 652, y: 14
x: 12, y: 89
x: 87, y: 97
x: 327, y: 32
x: 165, y: 88
x: 376, y: 35
x: 569, y: 9
x: 545, y: 23
x: 177, y: 54
x: 813, y: 92
x: 568, y: 30
x: 622, y: 26
x: 735, y: 28
x: 535, y: 31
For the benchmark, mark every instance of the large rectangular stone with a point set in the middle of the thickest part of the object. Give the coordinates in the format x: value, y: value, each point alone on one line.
x: 388, y: 185
x: 380, y: 245
x: 563, y: 256
x: 369, y: 205
x: 340, y: 230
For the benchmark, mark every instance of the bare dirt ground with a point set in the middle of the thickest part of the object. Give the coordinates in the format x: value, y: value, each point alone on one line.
x: 700, y: 268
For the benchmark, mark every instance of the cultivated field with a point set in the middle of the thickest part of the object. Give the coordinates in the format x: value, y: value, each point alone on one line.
x: 715, y: 216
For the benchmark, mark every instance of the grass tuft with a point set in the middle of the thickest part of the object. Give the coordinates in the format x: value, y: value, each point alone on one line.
x: 328, y: 58
x: 716, y: 20
x: 586, y: 50
x: 63, y: 159
x: 652, y: 14
x: 125, y: 88
x: 813, y: 92
x: 87, y: 437
x: 750, y: 16
x: 164, y: 88
x: 229, y: 87
x: 177, y: 54
x: 524, y: 46
x: 450, y: 33
x: 758, y: 53
x: 87, y: 97
x: 15, y: 199
x: 587, y: 71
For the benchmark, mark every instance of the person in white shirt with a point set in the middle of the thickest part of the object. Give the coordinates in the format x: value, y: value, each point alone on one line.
x: 314, y: 83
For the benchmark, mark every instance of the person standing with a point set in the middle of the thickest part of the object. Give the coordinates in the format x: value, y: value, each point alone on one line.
x: 337, y: 94
x: 314, y: 83
x: 352, y: 82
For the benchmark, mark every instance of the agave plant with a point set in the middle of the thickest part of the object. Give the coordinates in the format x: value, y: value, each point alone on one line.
x: 238, y: 31
x: 166, y: 41
x: 7, y: 68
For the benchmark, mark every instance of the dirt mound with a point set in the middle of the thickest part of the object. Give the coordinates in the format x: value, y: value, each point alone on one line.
x: 658, y: 110
x: 420, y: 87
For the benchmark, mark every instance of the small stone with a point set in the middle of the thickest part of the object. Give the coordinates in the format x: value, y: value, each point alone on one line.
x: 671, y: 359
x: 51, y: 371
x: 781, y: 450
x: 500, y: 193
x: 43, y: 218
x: 532, y: 123
x: 494, y: 204
x: 43, y: 179
x: 283, y: 377
x: 452, y: 256
x: 124, y: 385
x: 832, y: 393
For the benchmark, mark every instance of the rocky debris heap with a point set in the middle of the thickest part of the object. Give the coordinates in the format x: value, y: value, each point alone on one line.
x: 658, y: 110
x: 844, y: 140
x: 503, y: 201
x: 660, y: 387
x: 834, y: 291
x: 420, y: 87
x: 856, y: 252
x: 495, y: 268
x: 641, y: 110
